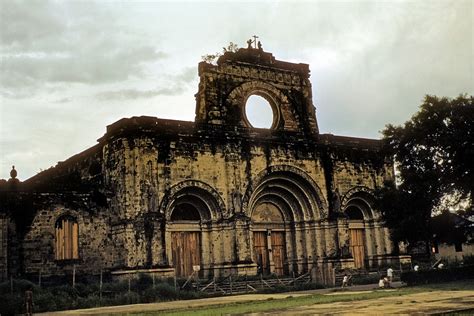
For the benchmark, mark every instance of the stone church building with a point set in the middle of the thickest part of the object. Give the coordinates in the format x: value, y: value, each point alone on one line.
x: 214, y: 196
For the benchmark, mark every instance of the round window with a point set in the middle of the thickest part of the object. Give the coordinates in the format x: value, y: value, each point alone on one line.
x: 259, y: 112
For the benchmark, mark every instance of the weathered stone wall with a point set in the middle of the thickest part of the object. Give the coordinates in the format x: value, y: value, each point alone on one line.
x: 225, y: 87
x: 124, y: 192
x: 96, y: 250
x: 143, y: 171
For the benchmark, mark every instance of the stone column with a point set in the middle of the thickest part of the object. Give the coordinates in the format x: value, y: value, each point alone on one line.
x: 158, y: 242
x: 369, y: 241
x: 343, y: 237
x: 290, y: 249
x: 300, y: 255
x: 242, y: 237
x: 319, y: 236
x: 270, y: 251
x: 388, y: 241
x: 379, y: 241
x: 331, y: 237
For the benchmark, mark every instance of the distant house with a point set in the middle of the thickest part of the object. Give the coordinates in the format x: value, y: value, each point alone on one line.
x: 453, y: 237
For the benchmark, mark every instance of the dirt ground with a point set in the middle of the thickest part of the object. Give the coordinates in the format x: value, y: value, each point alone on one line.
x: 419, y: 303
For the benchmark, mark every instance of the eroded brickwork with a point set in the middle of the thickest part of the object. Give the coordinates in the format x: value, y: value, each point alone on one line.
x: 152, y: 184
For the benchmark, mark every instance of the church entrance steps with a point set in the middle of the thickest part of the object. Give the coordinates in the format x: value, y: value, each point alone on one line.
x: 233, y: 285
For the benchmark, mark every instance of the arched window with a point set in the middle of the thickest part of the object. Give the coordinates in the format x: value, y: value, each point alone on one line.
x: 67, y: 238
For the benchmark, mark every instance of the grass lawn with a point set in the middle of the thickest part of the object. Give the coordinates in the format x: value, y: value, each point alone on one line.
x: 278, y: 304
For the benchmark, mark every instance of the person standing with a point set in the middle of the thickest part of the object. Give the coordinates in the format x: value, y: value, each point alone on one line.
x: 390, y: 276
x: 345, y: 281
x: 29, y: 301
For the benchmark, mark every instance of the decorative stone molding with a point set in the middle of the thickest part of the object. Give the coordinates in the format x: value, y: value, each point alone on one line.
x: 317, y: 205
x: 204, y: 192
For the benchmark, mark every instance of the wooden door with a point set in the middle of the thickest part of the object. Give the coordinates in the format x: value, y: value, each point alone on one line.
x: 357, y: 247
x: 278, y: 251
x: 261, y: 251
x: 186, y: 252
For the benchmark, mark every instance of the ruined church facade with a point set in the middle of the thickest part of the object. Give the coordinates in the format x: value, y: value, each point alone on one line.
x: 210, y: 197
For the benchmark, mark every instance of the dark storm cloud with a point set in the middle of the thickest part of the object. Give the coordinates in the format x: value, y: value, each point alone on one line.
x: 50, y: 43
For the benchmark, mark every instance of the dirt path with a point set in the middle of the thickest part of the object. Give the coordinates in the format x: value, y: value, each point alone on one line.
x: 424, y: 303
x: 165, y: 306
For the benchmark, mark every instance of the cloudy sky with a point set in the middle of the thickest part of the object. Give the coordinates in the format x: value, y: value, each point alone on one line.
x: 69, y: 68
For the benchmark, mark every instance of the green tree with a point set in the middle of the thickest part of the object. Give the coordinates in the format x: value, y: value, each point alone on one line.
x: 434, y: 155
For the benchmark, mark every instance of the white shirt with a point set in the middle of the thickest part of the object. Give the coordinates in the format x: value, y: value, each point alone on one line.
x: 390, y: 272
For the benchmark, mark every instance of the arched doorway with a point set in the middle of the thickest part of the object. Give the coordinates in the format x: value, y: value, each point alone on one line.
x: 359, y: 212
x: 356, y: 235
x: 269, y: 239
x: 283, y: 208
x: 185, y: 239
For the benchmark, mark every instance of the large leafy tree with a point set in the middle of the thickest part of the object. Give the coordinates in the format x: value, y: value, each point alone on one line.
x: 434, y: 156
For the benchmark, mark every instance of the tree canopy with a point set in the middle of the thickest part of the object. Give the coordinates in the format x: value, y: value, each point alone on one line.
x: 434, y: 157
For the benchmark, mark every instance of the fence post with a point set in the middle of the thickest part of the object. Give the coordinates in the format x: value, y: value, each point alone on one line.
x: 175, y: 282
x: 230, y: 279
x: 246, y: 283
x: 333, y: 270
x: 215, y: 285
x: 153, y: 276
x: 100, y: 287
x: 39, y: 278
x: 129, y: 281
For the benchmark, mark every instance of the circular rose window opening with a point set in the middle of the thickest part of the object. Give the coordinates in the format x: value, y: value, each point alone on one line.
x: 259, y: 112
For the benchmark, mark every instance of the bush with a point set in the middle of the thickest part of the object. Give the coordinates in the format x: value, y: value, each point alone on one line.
x: 166, y: 292
x: 19, y: 286
x: 366, y: 279
x: 437, y: 276
x: 468, y: 260
x: 11, y: 304
x: 143, y: 282
x: 46, y: 301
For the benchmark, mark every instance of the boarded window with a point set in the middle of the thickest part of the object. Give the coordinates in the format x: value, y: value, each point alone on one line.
x: 67, y: 239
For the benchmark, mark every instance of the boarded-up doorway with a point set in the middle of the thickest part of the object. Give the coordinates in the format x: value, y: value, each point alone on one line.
x: 278, y: 251
x: 261, y: 251
x: 357, y: 247
x: 186, y: 252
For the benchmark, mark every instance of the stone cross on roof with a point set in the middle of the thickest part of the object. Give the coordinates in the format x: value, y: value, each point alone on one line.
x: 255, y: 40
